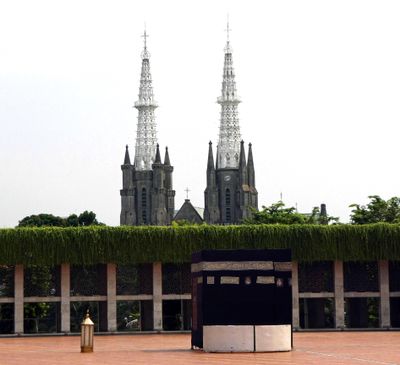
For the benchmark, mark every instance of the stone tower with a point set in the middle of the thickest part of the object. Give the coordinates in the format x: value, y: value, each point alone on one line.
x: 231, y: 189
x: 147, y: 196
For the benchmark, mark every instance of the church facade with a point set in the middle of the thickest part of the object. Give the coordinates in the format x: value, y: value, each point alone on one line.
x: 147, y: 195
x: 231, y: 194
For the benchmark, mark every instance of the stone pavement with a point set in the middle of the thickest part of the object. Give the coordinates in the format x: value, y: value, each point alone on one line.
x: 318, y: 348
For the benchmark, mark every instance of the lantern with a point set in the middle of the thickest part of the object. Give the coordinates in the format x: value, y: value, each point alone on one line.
x: 87, y: 328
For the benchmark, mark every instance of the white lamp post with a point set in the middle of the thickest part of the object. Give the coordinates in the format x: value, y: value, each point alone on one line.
x: 87, y: 328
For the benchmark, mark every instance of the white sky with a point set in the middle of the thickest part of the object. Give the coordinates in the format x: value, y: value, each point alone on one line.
x: 319, y: 83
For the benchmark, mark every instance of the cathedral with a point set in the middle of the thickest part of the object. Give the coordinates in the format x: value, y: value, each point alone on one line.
x: 147, y: 195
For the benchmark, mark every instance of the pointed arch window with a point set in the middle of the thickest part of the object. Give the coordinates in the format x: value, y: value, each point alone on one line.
x: 228, y: 217
x: 144, y: 206
x: 136, y: 204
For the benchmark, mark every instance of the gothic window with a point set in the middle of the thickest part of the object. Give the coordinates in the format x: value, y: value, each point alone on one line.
x: 144, y: 206
x: 228, y: 215
x: 136, y: 203
x: 227, y: 206
x: 227, y: 197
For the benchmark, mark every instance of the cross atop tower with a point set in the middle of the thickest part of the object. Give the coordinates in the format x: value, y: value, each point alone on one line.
x: 187, y: 193
x: 227, y: 30
x: 145, y: 35
x: 145, y: 53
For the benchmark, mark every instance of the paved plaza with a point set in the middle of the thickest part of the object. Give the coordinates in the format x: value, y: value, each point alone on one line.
x: 379, y: 348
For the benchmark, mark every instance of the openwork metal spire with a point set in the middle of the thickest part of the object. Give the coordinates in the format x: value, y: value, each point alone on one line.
x: 229, y: 130
x: 146, y: 134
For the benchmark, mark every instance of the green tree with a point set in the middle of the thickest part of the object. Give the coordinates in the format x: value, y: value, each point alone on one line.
x: 87, y: 218
x: 317, y: 218
x: 377, y: 210
x: 42, y: 220
x: 73, y: 221
x: 277, y: 213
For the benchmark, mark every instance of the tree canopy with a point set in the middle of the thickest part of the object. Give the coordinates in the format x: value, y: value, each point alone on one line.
x: 49, y: 220
x: 277, y: 213
x: 377, y: 210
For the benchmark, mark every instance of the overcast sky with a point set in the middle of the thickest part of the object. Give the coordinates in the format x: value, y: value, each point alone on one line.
x: 319, y: 83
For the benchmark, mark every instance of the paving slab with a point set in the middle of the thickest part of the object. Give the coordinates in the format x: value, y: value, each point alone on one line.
x: 311, y: 348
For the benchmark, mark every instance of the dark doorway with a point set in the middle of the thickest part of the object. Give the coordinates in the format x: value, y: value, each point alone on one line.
x: 177, y: 315
x: 317, y: 313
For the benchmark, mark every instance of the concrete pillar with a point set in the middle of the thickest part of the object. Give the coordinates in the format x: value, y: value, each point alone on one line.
x: 65, y: 299
x: 157, y: 296
x: 385, y: 295
x: 295, y: 295
x: 339, y: 294
x: 19, y: 299
x: 111, y: 298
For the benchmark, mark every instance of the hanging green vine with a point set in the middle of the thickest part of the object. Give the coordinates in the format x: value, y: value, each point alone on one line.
x: 90, y: 245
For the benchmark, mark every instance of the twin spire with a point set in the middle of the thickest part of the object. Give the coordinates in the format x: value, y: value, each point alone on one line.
x: 146, y: 134
x: 229, y: 130
x: 228, y: 150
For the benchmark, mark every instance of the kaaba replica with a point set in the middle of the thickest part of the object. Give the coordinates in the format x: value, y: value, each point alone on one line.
x: 242, y: 300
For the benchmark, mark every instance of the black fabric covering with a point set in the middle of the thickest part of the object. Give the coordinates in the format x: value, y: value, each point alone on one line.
x: 240, y: 304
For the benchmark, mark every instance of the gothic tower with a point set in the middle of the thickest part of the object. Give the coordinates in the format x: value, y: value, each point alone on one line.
x: 231, y: 190
x: 147, y: 196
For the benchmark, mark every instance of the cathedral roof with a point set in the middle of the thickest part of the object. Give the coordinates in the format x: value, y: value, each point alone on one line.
x: 189, y: 213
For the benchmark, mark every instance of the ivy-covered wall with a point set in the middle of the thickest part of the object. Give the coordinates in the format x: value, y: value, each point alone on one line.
x: 90, y: 245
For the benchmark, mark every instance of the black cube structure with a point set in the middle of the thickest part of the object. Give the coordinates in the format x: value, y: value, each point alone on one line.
x: 242, y: 300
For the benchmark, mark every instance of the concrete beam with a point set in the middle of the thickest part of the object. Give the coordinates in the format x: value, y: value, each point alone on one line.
x: 295, y: 296
x: 65, y: 299
x: 19, y: 299
x: 157, y: 296
x: 111, y: 297
x: 339, y: 294
x: 384, y: 317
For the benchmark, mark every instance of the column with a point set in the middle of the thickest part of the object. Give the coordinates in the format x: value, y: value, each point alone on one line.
x: 19, y: 299
x: 339, y: 294
x: 157, y: 296
x: 295, y: 295
x: 111, y: 298
x: 65, y: 299
x: 385, y: 295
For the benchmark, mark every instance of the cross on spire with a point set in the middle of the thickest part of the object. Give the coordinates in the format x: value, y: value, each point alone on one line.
x: 227, y: 30
x: 145, y: 53
x: 187, y: 193
x: 145, y: 35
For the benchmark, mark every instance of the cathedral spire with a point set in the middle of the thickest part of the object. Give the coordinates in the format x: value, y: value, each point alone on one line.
x: 166, y: 158
x: 210, y: 162
x: 242, y: 165
x: 146, y: 134
x: 229, y: 130
x: 250, y: 168
x: 158, y: 156
x: 127, y: 160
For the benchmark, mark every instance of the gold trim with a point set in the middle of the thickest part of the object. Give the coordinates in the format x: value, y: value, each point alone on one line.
x: 210, y: 280
x: 283, y: 266
x: 265, y: 280
x: 232, y: 266
x: 230, y: 280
